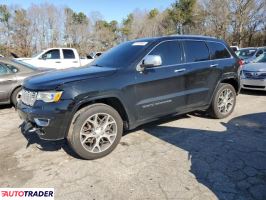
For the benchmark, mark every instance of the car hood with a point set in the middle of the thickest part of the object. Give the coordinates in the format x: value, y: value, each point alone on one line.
x: 53, y: 79
x: 255, y: 67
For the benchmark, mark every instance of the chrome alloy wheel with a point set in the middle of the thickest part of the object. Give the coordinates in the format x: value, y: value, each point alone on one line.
x: 226, y: 101
x: 98, y: 132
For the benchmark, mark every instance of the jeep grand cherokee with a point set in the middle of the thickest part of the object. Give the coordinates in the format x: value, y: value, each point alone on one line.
x: 131, y: 84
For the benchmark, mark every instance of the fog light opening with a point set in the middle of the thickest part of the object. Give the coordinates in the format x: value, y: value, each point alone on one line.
x: 42, y: 122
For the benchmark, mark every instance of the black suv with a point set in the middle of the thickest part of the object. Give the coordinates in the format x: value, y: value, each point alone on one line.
x: 131, y: 84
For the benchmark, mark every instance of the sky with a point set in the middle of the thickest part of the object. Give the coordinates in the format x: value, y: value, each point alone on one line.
x: 110, y: 9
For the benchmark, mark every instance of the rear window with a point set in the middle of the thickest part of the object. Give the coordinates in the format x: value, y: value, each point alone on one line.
x: 218, y: 51
x: 196, y: 51
x: 169, y: 51
x: 68, y: 54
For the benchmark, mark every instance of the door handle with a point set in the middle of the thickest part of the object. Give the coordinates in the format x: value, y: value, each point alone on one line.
x: 214, y: 65
x: 75, y: 61
x: 57, y: 62
x: 180, y: 70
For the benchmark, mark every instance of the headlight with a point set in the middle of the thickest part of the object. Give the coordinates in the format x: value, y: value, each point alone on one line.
x: 49, y: 96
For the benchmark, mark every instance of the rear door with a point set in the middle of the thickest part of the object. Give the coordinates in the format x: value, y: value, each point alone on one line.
x: 222, y: 62
x: 160, y: 90
x: 7, y: 82
x: 199, y: 77
x: 70, y: 59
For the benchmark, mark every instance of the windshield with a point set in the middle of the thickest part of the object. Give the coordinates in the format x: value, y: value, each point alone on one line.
x: 121, y: 55
x: 24, y: 64
x: 261, y: 58
x: 246, y: 53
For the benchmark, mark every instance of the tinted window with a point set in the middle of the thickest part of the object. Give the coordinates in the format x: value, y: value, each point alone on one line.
x: 218, y: 51
x: 169, y: 51
x: 3, y: 69
x: 196, y: 51
x: 121, y: 55
x: 52, y: 54
x: 68, y: 54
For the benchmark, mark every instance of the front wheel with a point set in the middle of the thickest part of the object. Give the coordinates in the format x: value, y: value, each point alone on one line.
x: 223, y: 102
x: 16, y: 96
x: 95, y: 131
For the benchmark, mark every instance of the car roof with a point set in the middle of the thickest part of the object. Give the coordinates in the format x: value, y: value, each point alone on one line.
x: 170, y: 37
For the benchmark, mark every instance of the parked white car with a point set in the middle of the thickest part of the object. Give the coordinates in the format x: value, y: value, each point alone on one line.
x: 58, y: 58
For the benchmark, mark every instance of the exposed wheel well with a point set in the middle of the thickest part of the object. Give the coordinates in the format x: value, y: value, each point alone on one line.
x: 113, y: 102
x: 232, y: 82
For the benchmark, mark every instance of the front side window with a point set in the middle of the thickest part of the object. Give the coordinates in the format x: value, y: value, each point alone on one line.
x: 218, y: 51
x: 68, y: 54
x: 3, y: 69
x: 169, y: 51
x: 196, y: 51
x: 259, y: 53
x: 52, y: 54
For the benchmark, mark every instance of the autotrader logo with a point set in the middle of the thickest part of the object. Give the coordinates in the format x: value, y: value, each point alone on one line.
x: 27, y: 193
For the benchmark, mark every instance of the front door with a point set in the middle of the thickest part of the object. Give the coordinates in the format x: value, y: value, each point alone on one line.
x: 160, y: 90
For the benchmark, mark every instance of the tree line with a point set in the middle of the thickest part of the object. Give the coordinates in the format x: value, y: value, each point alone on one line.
x: 27, y: 31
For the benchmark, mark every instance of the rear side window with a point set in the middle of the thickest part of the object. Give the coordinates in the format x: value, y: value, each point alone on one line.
x: 196, y: 51
x: 218, y: 51
x: 169, y: 51
x: 68, y: 54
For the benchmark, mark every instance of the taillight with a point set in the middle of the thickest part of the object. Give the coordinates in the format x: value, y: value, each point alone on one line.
x: 241, y: 63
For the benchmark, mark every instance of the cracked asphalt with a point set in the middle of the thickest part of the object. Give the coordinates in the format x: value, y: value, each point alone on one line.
x: 182, y: 157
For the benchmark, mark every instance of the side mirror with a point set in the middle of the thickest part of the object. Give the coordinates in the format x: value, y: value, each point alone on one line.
x: 150, y: 61
x: 14, y: 70
x: 43, y: 57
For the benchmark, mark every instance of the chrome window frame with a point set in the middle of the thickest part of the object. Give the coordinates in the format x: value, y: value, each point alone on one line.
x: 138, y: 67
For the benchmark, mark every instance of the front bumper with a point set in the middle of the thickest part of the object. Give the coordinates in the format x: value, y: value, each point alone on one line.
x: 57, y: 115
x: 253, y: 84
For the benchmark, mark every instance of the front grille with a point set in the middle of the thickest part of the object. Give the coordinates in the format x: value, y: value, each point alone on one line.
x: 28, y: 97
x: 254, y: 75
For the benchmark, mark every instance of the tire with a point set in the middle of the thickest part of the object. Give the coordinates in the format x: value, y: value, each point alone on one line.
x: 90, y: 136
x: 15, y: 96
x: 221, y: 108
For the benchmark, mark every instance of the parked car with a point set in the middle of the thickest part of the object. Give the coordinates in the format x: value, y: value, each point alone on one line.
x: 253, y: 75
x: 59, y: 58
x: 12, y: 74
x: 133, y: 83
x: 250, y: 53
x: 234, y: 48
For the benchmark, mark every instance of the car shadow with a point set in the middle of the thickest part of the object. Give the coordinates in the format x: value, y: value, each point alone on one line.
x: 253, y: 92
x: 231, y: 163
x: 6, y: 106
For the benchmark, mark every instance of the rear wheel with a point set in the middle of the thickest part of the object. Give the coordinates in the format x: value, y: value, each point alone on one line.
x: 95, y: 131
x: 16, y: 96
x: 223, y: 102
